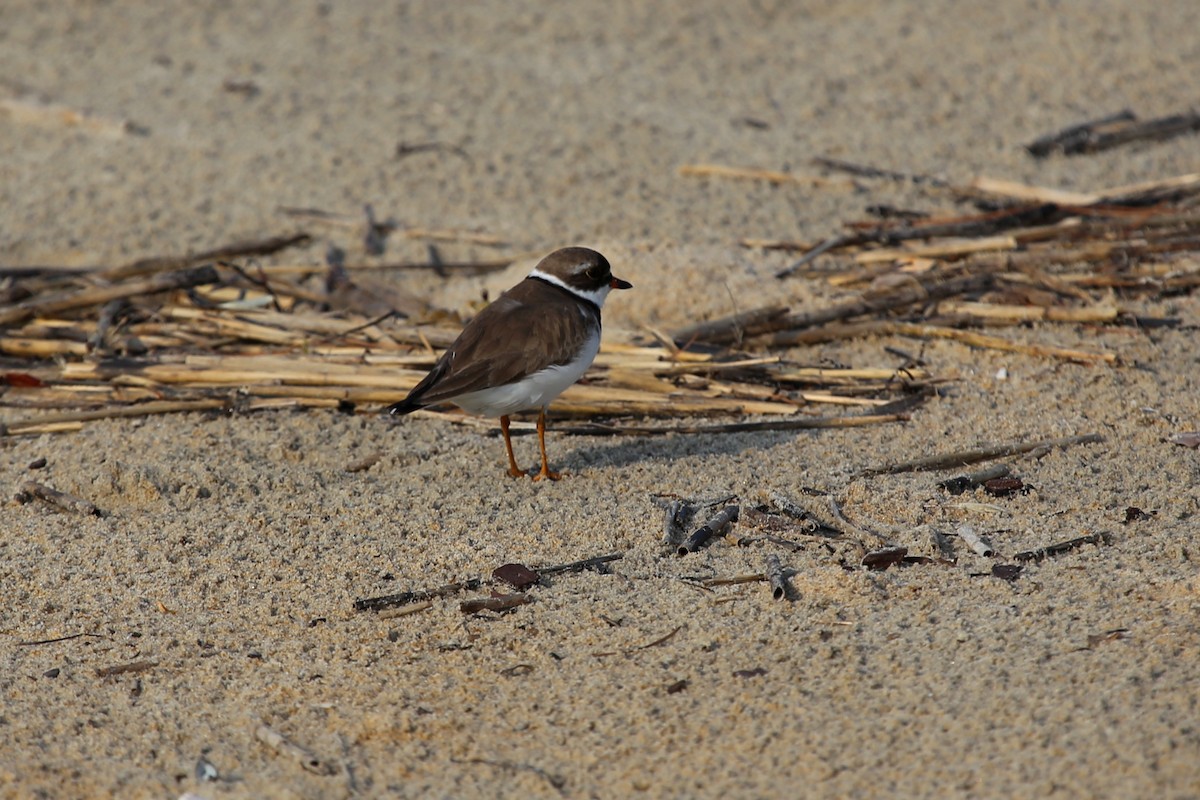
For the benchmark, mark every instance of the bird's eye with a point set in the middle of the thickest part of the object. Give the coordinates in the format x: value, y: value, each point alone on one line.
x: 594, y: 273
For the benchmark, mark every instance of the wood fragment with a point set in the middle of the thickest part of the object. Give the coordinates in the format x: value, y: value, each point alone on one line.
x: 1059, y: 548
x: 963, y: 458
x: 307, y: 760
x: 715, y: 526
x: 1075, y: 135
x: 496, y: 603
x: 68, y: 502
x: 775, y: 577
x: 579, y: 566
x: 1113, y: 131
x: 879, y: 560
x: 867, y: 171
x: 753, y: 577
x: 961, y: 483
x: 980, y: 545
x: 404, y: 598
x: 406, y: 611
x: 125, y: 669
x: 55, y: 302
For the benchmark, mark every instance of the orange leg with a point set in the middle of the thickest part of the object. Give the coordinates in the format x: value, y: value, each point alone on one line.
x: 513, y: 469
x: 545, y: 472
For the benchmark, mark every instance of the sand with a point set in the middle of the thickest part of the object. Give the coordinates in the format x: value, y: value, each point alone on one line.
x: 232, y: 549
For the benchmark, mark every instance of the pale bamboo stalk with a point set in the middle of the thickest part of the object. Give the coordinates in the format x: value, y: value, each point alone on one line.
x: 939, y: 249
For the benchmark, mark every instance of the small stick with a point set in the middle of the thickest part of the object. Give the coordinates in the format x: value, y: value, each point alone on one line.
x: 404, y: 598
x: 1063, y: 547
x: 735, y: 326
x: 406, y: 611
x: 976, y: 542
x: 961, y: 483
x: 774, y: 571
x: 1069, y: 140
x: 501, y: 603
x: 580, y: 566
x: 964, y: 457
x: 68, y: 502
x: 867, y: 171
x: 125, y: 669
x: 752, y: 577
x: 53, y: 302
x: 280, y: 744
x: 716, y: 525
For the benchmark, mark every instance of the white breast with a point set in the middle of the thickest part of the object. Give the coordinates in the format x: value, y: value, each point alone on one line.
x: 535, y: 391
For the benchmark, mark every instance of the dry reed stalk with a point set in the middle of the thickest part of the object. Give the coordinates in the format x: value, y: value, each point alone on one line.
x: 919, y: 331
x: 948, y: 249
x: 1015, y: 313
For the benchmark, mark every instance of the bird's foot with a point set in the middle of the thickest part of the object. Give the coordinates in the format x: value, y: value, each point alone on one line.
x: 516, y: 472
x: 548, y: 473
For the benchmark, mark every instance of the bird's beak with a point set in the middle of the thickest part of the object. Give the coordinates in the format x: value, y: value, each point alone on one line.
x: 617, y: 283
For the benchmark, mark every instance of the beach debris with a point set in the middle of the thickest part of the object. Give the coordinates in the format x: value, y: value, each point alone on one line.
x: 1112, y: 131
x: 677, y: 514
x: 37, y: 463
x: 307, y: 760
x: 518, y: 576
x: 1002, y: 487
x: 1102, y: 537
x: 29, y: 490
x: 879, y: 560
x: 962, y: 483
x: 1096, y: 639
x: 1188, y: 439
x: 750, y: 673
x: 678, y: 686
x: 775, y: 577
x: 404, y: 611
x: 497, y: 602
x: 979, y: 544
x: 942, y: 542
x: 421, y: 595
x: 205, y: 771
x: 987, y: 453
x: 1006, y: 572
x: 1135, y: 514
x: 125, y: 669
x: 716, y: 525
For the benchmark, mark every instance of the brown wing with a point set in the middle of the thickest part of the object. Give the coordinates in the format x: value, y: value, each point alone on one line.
x: 508, y: 340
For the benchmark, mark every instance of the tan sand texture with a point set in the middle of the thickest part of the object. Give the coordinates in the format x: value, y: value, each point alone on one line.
x: 200, y: 635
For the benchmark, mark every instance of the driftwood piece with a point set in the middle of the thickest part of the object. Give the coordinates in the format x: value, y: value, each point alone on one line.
x: 715, y: 526
x: 1059, y: 548
x: 69, y: 299
x: 1113, y: 131
x: 963, y: 458
x: 775, y: 577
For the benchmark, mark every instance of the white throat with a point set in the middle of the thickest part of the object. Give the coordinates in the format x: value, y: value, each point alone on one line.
x: 596, y: 296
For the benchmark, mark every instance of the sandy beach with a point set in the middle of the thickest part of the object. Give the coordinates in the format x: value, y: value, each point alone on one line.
x: 220, y: 581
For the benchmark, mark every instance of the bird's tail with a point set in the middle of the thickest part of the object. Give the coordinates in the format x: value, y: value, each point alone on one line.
x: 405, y: 406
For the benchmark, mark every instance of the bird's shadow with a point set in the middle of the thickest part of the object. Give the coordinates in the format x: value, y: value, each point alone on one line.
x: 599, y: 452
